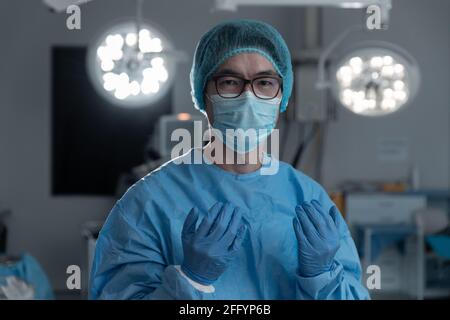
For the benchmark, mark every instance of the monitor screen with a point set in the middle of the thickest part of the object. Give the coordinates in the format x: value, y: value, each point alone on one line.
x: 93, y: 141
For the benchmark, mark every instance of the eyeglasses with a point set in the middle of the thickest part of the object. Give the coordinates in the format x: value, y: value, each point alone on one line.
x: 232, y: 86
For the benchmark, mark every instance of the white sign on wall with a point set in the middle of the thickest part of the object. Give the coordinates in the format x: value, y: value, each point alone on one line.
x: 393, y: 149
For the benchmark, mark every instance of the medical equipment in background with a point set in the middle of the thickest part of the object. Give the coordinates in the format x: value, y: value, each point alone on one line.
x: 374, y: 78
x: 133, y: 63
x: 161, y: 142
x: 375, y: 81
x: 311, y: 108
x: 434, y: 222
x: 378, y: 222
x: 61, y: 5
x: 89, y: 233
x: 125, y: 66
x: 232, y: 5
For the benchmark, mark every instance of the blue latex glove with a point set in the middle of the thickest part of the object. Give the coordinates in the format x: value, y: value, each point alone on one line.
x: 318, y: 238
x: 209, y: 249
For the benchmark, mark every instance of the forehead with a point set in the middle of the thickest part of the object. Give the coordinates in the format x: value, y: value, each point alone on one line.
x: 246, y: 64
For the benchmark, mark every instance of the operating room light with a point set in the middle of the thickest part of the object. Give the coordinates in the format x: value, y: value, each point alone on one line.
x: 130, y: 68
x: 375, y: 81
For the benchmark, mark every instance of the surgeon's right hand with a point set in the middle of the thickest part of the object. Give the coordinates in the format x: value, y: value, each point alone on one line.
x: 210, y: 248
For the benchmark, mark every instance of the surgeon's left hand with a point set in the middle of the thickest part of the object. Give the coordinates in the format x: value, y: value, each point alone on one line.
x: 318, y: 237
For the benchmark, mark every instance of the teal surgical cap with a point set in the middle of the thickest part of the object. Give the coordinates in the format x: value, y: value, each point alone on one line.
x: 234, y: 37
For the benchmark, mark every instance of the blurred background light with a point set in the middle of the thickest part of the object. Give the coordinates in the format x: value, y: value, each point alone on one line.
x: 375, y: 80
x: 130, y: 68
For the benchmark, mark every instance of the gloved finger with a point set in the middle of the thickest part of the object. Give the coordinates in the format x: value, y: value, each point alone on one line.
x: 190, y: 223
x: 208, y: 220
x: 314, y: 216
x: 336, y: 216
x: 237, y: 242
x: 308, y: 227
x: 221, y: 220
x: 234, y: 223
x: 326, y: 216
x: 299, y: 233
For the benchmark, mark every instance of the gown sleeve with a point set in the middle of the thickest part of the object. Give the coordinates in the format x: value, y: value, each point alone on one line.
x: 343, y: 281
x: 129, y: 263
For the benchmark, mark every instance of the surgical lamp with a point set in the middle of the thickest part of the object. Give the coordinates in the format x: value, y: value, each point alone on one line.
x: 377, y: 79
x: 133, y: 63
x: 374, y: 79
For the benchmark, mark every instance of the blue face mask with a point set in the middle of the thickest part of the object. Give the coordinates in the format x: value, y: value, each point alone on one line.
x: 244, y: 112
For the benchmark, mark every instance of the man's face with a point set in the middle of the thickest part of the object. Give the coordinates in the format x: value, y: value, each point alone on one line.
x: 245, y: 65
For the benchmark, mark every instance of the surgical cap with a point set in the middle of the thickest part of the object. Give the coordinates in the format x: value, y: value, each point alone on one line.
x: 234, y: 37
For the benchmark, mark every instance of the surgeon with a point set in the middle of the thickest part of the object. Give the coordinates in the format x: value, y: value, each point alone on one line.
x: 220, y: 229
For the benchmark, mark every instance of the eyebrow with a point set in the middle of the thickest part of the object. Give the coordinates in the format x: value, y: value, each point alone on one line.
x: 260, y: 73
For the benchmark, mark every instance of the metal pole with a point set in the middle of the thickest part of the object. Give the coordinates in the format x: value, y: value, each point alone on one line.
x: 139, y: 5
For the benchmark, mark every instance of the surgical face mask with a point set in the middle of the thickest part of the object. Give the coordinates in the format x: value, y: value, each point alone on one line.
x: 244, y: 122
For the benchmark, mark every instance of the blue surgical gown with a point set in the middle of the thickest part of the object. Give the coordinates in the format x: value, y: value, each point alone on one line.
x: 140, y: 243
x: 30, y: 271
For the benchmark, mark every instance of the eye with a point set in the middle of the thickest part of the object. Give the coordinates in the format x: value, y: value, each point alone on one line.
x: 229, y: 82
x: 267, y: 82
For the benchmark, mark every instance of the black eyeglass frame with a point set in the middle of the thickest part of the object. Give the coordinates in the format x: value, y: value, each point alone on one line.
x: 279, y: 79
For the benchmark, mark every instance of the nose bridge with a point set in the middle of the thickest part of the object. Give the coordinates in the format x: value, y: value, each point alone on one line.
x: 248, y: 86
